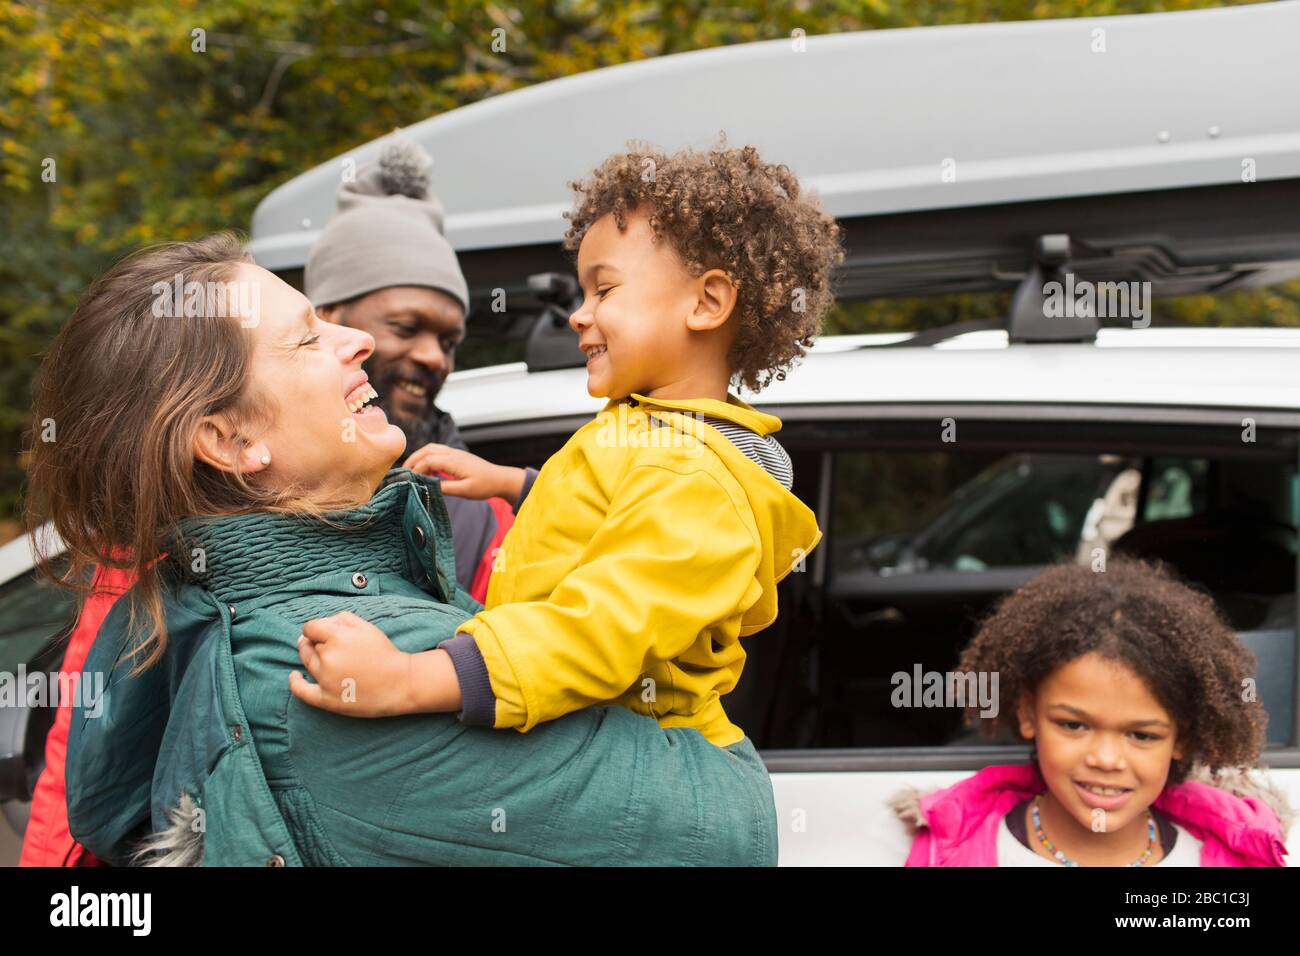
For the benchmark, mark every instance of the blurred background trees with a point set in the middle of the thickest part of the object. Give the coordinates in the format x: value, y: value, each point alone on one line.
x: 120, y: 126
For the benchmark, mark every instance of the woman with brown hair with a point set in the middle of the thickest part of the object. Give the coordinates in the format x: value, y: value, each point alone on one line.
x: 216, y: 438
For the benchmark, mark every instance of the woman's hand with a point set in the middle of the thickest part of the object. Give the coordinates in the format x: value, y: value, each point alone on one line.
x: 360, y: 673
x: 471, y: 476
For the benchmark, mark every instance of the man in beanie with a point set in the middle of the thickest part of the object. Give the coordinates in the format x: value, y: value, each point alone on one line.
x: 382, y: 265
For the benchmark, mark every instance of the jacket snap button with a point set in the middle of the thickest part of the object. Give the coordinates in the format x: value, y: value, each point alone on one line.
x: 237, y: 732
x: 232, y: 610
x: 359, y: 580
x: 275, y: 860
x: 418, y: 536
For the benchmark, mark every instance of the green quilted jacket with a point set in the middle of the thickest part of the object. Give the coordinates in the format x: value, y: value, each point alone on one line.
x: 209, y: 743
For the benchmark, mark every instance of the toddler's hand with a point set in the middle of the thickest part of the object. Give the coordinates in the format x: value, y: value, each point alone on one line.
x: 471, y: 476
x: 358, y: 670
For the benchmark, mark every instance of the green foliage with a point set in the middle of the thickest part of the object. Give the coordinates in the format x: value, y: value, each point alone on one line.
x: 153, y: 139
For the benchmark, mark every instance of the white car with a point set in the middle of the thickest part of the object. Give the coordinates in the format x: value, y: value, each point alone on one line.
x: 1058, y: 449
x: 949, y: 466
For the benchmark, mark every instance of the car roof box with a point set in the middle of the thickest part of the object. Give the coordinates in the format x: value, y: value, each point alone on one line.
x: 1164, y: 145
x: 879, y: 122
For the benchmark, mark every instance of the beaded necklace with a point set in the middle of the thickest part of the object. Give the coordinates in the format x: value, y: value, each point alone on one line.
x: 1062, y: 858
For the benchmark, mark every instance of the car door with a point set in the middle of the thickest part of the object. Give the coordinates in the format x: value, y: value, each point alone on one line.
x: 825, y: 720
x: 35, y: 619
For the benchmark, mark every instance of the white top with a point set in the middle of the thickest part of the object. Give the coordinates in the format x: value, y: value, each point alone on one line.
x: 1011, y: 852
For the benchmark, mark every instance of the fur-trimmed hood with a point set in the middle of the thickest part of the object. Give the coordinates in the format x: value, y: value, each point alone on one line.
x: 1239, y: 818
x: 180, y: 843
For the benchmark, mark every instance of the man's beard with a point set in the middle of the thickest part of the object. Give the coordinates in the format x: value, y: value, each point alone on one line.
x: 418, y: 431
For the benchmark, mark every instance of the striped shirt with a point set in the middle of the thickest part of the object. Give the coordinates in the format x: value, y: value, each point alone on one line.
x: 763, y: 450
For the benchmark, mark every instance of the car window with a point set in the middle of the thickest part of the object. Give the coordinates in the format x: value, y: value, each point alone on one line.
x: 1294, y: 514
x: 1176, y: 488
x: 882, y: 497
x: 32, y: 612
x: 923, y: 543
x: 1016, y: 511
x: 1025, y: 510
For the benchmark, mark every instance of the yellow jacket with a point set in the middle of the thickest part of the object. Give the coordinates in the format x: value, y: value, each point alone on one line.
x: 647, y: 546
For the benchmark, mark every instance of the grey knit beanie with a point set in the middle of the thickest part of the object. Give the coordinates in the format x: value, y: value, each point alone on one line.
x: 387, y: 232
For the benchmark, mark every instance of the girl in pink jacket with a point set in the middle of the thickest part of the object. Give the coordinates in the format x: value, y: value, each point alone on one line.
x: 1139, y: 703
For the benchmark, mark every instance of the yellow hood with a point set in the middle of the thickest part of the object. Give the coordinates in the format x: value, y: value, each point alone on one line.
x: 787, y: 526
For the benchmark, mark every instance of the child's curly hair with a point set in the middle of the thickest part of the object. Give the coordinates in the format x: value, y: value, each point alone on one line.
x: 728, y: 209
x: 1140, y: 615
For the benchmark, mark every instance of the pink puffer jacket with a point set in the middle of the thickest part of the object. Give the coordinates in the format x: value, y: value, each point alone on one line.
x: 958, y: 826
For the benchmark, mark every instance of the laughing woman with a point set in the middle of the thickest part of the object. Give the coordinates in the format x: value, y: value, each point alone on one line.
x: 236, y: 458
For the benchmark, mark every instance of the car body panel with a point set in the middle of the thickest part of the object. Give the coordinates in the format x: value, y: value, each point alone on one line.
x: 1239, y: 370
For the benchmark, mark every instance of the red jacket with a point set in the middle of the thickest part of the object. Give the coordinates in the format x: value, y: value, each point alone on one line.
x: 47, y: 841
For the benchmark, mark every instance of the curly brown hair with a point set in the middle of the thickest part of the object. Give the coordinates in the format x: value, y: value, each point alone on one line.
x: 1141, y: 615
x: 728, y: 209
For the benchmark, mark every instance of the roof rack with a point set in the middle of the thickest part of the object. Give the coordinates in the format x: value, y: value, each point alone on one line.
x: 1029, y: 320
x: 1058, y: 268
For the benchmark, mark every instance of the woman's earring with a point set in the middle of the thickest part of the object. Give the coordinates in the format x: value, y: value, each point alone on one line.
x: 266, y: 459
